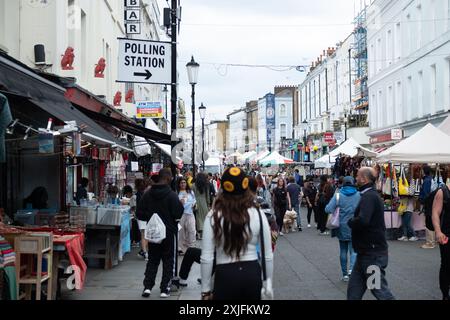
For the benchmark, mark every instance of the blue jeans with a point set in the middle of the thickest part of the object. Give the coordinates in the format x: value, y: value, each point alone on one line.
x: 363, y: 274
x: 347, y: 250
x: 406, y: 225
x: 299, y: 217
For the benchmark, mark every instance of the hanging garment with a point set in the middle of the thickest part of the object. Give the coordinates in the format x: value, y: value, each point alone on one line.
x: 5, y: 121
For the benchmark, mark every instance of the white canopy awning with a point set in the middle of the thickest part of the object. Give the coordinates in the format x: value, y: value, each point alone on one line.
x: 326, y: 162
x: 275, y: 159
x: 348, y: 148
x: 261, y: 155
x: 428, y: 145
x: 445, y: 126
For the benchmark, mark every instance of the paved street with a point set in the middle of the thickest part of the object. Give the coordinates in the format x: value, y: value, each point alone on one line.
x: 306, y: 268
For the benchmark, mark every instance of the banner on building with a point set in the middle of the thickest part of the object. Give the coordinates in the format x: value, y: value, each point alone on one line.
x: 270, y: 116
x: 149, y: 110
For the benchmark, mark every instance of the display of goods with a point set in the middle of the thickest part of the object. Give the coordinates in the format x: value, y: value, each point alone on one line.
x: 85, y: 215
x: 109, y: 216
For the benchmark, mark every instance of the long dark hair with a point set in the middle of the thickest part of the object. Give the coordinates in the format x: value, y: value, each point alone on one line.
x: 188, y: 189
x: 232, y: 222
x: 38, y: 199
x: 201, y: 183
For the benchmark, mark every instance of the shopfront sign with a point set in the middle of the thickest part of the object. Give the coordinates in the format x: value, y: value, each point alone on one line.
x: 328, y: 137
x: 142, y: 61
x: 149, y: 110
x: 132, y: 17
x: 381, y: 138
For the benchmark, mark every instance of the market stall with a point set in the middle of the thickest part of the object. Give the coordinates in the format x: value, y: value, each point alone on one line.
x: 275, y: 159
x: 400, y: 176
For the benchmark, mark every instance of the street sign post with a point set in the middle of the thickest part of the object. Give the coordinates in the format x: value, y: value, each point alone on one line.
x: 148, y: 110
x: 142, y: 61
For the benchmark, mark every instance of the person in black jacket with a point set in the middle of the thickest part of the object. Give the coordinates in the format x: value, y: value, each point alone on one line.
x: 160, y: 199
x: 369, y: 242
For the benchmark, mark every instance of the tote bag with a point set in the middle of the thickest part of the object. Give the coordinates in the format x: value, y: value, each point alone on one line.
x: 403, y: 185
x: 333, y: 220
x: 156, y: 230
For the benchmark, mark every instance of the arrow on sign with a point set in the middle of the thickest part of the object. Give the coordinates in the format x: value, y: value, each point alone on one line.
x: 147, y: 74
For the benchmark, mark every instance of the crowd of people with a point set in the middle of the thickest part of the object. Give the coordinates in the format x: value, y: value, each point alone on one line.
x: 229, y: 224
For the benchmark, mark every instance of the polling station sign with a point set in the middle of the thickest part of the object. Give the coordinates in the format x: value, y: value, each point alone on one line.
x: 145, y: 110
x: 142, y: 61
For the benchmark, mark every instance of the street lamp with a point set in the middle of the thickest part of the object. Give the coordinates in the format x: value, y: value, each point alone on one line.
x: 166, y: 90
x: 346, y: 124
x: 305, y: 124
x: 202, y: 110
x: 192, y: 70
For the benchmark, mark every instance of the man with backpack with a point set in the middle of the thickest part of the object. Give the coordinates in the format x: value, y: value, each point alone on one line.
x: 163, y: 202
x: 441, y: 225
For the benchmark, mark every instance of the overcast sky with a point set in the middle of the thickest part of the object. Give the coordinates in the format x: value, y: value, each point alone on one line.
x: 267, y: 32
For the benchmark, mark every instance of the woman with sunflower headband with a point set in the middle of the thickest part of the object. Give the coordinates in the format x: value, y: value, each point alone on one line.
x: 231, y: 233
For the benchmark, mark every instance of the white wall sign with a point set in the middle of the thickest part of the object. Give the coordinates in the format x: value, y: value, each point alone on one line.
x: 396, y: 134
x: 132, y: 3
x: 133, y: 15
x: 133, y: 28
x: 142, y: 61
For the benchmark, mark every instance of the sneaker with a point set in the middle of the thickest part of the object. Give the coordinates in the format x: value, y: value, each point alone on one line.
x: 141, y: 254
x: 281, y: 234
x: 428, y: 246
x: 300, y: 229
x: 309, y: 226
x: 165, y: 295
x: 345, y: 278
x: 349, y: 273
x: 414, y: 239
x: 323, y: 233
x: 183, y: 283
x: 146, y: 256
x: 146, y: 293
x: 404, y: 238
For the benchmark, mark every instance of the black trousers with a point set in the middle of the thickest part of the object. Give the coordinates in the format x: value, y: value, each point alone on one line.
x: 280, y: 212
x: 310, y: 211
x: 322, y: 218
x: 238, y: 281
x: 444, y: 274
x: 191, y: 256
x: 157, y: 252
x: 135, y: 233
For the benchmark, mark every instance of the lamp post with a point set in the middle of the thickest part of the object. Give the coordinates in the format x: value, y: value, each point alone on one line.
x: 202, y: 111
x: 192, y: 69
x: 346, y: 125
x: 166, y: 90
x: 305, y: 123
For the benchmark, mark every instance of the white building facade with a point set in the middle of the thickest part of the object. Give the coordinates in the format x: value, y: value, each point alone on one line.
x: 283, y: 120
x: 237, y: 131
x: 91, y: 28
x: 409, y: 66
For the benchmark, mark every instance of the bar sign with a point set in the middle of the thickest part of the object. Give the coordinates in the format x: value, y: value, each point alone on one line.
x: 132, y: 17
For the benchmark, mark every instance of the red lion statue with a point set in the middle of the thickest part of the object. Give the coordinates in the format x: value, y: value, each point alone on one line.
x: 100, y: 68
x: 118, y: 99
x: 129, y: 96
x: 67, y: 59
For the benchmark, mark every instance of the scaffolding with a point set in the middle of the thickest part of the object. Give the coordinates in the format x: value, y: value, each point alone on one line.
x: 361, y: 95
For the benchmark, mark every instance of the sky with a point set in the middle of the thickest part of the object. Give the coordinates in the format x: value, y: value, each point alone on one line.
x: 253, y: 32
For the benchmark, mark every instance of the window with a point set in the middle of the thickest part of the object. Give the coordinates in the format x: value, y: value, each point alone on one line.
x: 84, y: 45
x: 382, y: 115
x: 283, y: 131
x: 432, y: 20
x: 283, y: 112
x: 379, y: 57
x: 391, y: 106
x: 398, y: 42
x: 398, y: 116
x: 419, y: 31
x: 389, y: 48
x: 409, y: 94
x: 420, y: 85
x: 433, y: 89
x: 410, y: 34
x: 448, y: 84
x: 374, y: 112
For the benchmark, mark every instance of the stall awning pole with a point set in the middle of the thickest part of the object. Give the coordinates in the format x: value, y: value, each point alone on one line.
x: 113, y: 144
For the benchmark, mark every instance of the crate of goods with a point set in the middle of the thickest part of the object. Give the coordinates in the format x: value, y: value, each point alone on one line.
x: 62, y: 220
x: 26, y: 217
x: 26, y: 244
x: 44, y: 218
x: 109, y: 216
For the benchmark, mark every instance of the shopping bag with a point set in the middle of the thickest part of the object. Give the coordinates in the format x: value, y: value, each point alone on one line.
x: 387, y: 188
x: 403, y: 185
x: 418, y: 187
x: 333, y: 220
x: 403, y: 206
x: 156, y: 230
x: 412, y: 187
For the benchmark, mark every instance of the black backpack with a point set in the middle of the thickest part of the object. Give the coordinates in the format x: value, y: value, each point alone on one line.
x: 428, y: 206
